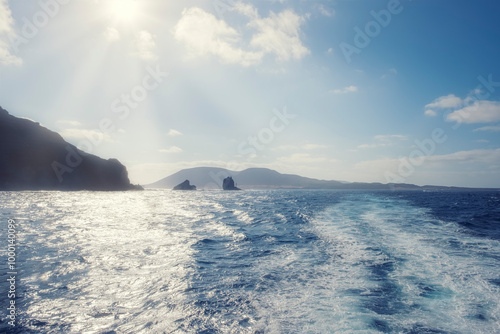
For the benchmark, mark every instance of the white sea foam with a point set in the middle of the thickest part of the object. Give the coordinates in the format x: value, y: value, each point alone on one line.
x: 248, y: 262
x: 429, y: 269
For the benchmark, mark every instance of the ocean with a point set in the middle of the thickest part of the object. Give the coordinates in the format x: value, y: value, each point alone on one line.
x: 256, y: 261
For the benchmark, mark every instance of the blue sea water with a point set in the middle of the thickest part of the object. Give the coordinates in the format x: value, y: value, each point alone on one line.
x: 280, y: 261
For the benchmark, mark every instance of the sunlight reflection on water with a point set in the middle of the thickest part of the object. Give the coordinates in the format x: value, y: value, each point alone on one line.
x: 160, y: 261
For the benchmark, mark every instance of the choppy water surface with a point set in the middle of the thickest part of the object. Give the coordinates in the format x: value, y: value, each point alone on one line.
x: 254, y: 262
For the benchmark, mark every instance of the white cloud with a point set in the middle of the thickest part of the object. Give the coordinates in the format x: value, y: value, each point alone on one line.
x: 144, y: 45
x: 383, y: 141
x: 85, y: 134
x: 445, y: 102
x: 392, y: 71
x: 304, y: 159
x: 458, y: 168
x: 246, y: 9
x: 430, y: 112
x: 69, y: 123
x: 174, y: 133
x: 329, y: 51
x: 314, y: 146
x: 488, y: 128
x: 7, y: 33
x: 388, y: 138
x: 111, y: 34
x: 369, y: 145
x: 345, y: 90
x: 478, y: 112
x: 473, y: 156
x: 172, y: 149
x: 304, y: 147
x: 279, y: 34
x: 325, y: 11
x: 204, y: 34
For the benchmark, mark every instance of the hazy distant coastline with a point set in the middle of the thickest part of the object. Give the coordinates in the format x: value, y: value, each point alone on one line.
x: 264, y: 178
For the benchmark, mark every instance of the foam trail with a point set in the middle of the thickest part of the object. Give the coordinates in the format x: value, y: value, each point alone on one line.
x: 404, y: 270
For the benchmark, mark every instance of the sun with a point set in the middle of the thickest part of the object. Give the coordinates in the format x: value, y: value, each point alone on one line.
x: 123, y: 11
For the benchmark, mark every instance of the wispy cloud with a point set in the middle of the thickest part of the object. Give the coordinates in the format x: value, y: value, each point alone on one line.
x: 304, y: 147
x: 111, y: 34
x: 65, y: 123
x: 478, y: 112
x: 437, y: 168
x: 85, y: 134
x: 144, y: 45
x: 383, y: 141
x: 7, y: 33
x: 488, y: 128
x: 304, y: 158
x: 346, y: 90
x: 172, y: 149
x: 472, y: 156
x: 488, y: 156
x: 392, y: 71
x: 443, y: 102
x: 389, y: 138
x: 430, y: 112
x: 174, y: 133
x: 278, y: 34
x: 328, y: 12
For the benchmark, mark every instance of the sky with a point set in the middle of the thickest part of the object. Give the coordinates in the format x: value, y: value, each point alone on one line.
x: 353, y: 90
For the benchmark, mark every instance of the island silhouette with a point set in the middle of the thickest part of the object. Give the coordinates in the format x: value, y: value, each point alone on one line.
x: 35, y: 158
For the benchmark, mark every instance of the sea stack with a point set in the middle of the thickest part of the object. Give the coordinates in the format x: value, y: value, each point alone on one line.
x: 185, y: 186
x: 228, y: 184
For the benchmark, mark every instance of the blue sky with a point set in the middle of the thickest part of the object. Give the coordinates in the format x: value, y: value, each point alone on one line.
x: 354, y: 90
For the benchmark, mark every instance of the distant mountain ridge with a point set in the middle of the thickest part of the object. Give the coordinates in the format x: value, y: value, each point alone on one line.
x: 264, y: 178
x: 35, y: 158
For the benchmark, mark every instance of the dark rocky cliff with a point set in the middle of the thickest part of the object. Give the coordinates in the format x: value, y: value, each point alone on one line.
x: 35, y: 158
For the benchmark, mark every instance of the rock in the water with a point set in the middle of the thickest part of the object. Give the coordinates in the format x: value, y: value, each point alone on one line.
x: 185, y: 186
x: 35, y: 158
x: 228, y: 184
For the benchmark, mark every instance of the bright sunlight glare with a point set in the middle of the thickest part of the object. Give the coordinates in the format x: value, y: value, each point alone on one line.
x: 123, y: 11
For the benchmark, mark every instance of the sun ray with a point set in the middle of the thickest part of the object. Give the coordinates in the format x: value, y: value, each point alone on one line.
x: 126, y: 12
